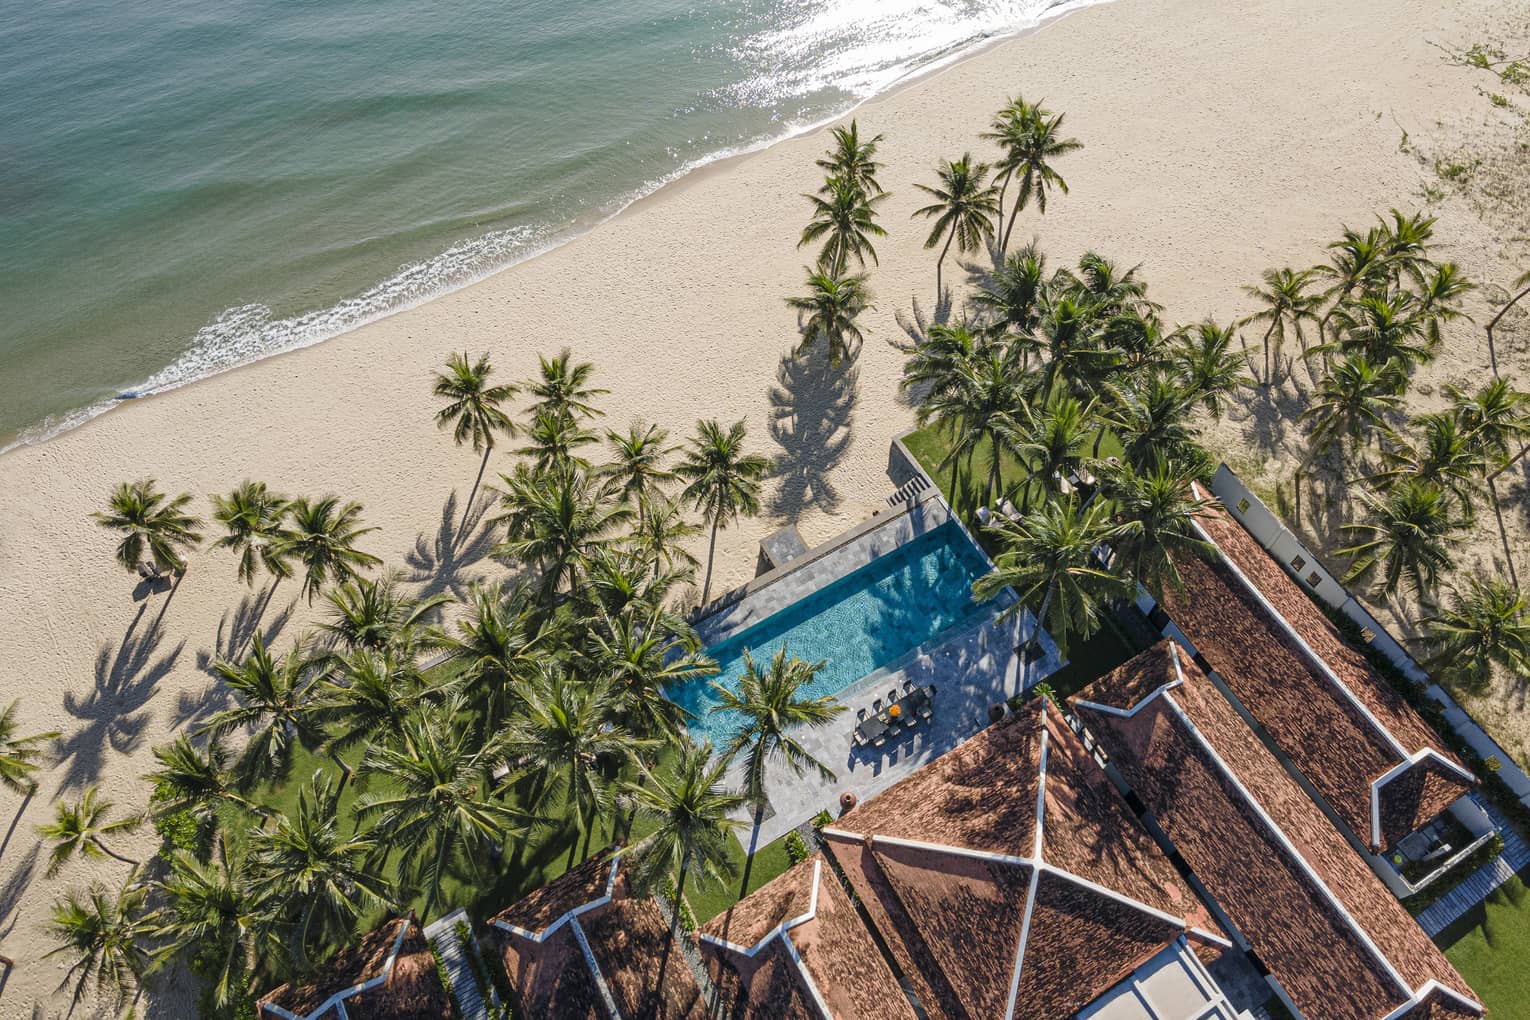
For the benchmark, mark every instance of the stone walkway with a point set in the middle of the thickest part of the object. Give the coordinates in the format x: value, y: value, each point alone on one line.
x: 442, y: 934
x: 1516, y: 856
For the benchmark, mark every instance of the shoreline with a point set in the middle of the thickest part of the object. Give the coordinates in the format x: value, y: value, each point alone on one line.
x: 1209, y: 157
x: 672, y: 185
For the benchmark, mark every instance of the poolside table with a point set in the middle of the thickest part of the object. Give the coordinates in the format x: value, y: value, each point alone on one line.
x: 874, y: 726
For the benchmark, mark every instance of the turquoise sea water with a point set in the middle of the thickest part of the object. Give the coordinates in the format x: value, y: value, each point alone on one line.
x: 189, y: 186
x: 860, y: 623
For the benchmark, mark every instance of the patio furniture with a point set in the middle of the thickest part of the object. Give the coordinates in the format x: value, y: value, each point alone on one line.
x: 895, y: 730
x: 892, y: 695
x: 911, y: 721
x: 925, y: 711
x: 908, y: 687
x: 860, y: 714
x: 871, y: 730
x: 876, y: 705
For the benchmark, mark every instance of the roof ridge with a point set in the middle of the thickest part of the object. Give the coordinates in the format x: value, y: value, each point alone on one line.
x: 1037, y: 865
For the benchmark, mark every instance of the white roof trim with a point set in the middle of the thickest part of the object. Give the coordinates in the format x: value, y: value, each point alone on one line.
x: 1030, y: 893
x: 807, y: 979
x: 547, y: 933
x: 1397, y: 770
x: 1288, y: 846
x: 1424, y: 991
x: 780, y: 929
x: 594, y: 968
x: 1127, y: 713
x: 955, y: 851
x: 1212, y: 937
x: 338, y: 999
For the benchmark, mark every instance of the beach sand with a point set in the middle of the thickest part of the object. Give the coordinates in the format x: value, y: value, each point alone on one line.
x: 1222, y: 138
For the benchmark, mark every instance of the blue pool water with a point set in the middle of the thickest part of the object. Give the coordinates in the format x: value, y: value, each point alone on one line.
x: 858, y: 624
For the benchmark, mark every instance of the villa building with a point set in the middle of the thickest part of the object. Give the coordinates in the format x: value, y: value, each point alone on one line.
x: 389, y: 975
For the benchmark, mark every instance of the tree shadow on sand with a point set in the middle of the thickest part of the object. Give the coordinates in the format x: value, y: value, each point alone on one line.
x: 441, y: 564
x: 236, y: 634
x: 15, y: 883
x: 811, y: 410
x: 114, y: 713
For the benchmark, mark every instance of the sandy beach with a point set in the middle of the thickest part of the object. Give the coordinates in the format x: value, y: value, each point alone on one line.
x: 1222, y: 139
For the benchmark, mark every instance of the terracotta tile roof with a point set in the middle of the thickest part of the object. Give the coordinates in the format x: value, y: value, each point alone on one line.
x: 1340, y: 746
x: 1295, y: 888
x: 627, y: 939
x: 549, y: 978
x: 946, y: 866
x: 409, y: 990
x: 837, y: 953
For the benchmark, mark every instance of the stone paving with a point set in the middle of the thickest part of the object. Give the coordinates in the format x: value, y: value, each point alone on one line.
x: 971, y: 669
x: 1472, y: 891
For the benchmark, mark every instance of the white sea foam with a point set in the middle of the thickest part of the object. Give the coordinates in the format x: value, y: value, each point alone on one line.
x: 857, y: 47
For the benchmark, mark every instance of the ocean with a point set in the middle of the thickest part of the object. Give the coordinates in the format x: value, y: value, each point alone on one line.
x: 186, y: 187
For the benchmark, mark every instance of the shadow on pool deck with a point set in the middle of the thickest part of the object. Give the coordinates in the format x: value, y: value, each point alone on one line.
x: 971, y: 669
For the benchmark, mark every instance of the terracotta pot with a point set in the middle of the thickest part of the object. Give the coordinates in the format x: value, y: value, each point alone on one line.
x: 995, y: 713
x: 846, y: 801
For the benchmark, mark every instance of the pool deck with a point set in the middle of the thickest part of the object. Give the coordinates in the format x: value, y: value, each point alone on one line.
x: 972, y: 668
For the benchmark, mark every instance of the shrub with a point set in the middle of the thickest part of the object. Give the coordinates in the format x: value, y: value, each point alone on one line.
x: 181, y: 830
x: 1437, y: 889
x: 822, y: 819
x: 796, y: 847
x: 446, y: 981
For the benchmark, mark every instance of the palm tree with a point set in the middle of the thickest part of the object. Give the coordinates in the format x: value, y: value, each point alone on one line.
x: 1208, y: 369
x: 1357, y: 262
x: 1007, y: 130
x: 431, y: 804
x: 1388, y: 331
x: 1152, y: 420
x: 844, y: 216
x: 770, y: 703
x: 1287, y: 304
x: 275, y: 699
x: 324, y: 535
x: 1049, y: 554
x: 1055, y: 440
x: 639, y: 470
x: 852, y: 159
x: 941, y: 364
x: 1156, y: 515
x: 195, y: 780
x: 1522, y: 289
x: 1405, y: 243
x: 1030, y: 151
x: 368, y: 695
x: 1408, y: 539
x: 1494, y: 417
x: 657, y: 541
x: 571, y: 732
x: 502, y: 649
x: 20, y: 757
x: 1440, y: 299
x: 722, y: 481
x: 1484, y: 630
x: 1351, y: 403
x: 154, y: 531
x: 985, y: 410
x: 553, y: 439
x: 1436, y: 449
x: 964, y: 209
x: 77, y: 830
x: 254, y: 525
x: 690, y: 808
x: 472, y: 408
x: 562, y: 388
x: 557, y: 520
x: 643, y: 653
x: 829, y: 311
x: 368, y: 613
x: 1016, y: 292
x: 315, y: 875
x: 102, y: 934
x: 219, y: 916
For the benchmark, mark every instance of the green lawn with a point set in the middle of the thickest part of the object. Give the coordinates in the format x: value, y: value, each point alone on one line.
x: 1089, y: 660
x: 931, y: 444
x: 1490, y: 946
x: 770, y: 860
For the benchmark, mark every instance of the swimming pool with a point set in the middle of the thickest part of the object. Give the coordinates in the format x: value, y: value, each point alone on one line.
x: 857, y: 624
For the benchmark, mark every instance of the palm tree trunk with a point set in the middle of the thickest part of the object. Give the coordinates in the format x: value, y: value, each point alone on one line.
x: 706, y: 588
x: 938, y: 262
x: 1492, y: 351
x: 1267, y: 334
x: 467, y: 510
x: 1014, y: 214
x: 754, y: 839
x: 1034, y: 639
x: 108, y: 851
x: 674, y: 931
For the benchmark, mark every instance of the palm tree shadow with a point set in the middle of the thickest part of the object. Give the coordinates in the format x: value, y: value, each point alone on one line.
x: 236, y: 632
x: 440, y: 564
x: 1270, y: 411
x: 15, y: 884
x: 811, y: 409
x: 114, y: 712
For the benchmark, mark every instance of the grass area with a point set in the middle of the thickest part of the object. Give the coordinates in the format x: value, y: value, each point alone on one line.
x: 770, y: 860
x: 1089, y: 660
x: 1490, y: 946
x: 931, y: 444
